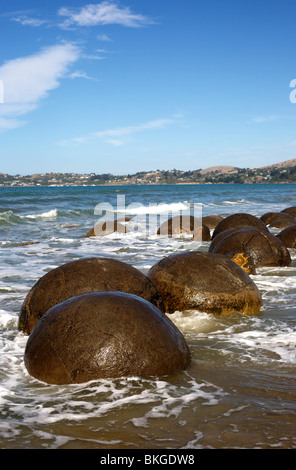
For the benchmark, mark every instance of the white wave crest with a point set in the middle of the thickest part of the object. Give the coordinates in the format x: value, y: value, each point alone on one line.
x: 51, y: 214
x: 140, y: 209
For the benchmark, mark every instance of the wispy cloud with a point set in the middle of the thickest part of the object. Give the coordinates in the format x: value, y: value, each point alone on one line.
x: 102, y: 14
x: 269, y: 118
x: 28, y: 80
x: 27, y: 21
x: 260, y: 119
x: 79, y: 74
x: 121, y: 135
x: 104, y: 38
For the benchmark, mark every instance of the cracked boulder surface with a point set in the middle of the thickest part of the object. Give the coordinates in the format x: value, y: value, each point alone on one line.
x: 80, y: 277
x: 104, y: 335
x: 206, y: 282
x: 237, y: 220
x: 220, y: 236
x: 263, y: 248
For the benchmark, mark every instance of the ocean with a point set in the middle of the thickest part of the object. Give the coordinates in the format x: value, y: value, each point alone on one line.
x: 239, y: 390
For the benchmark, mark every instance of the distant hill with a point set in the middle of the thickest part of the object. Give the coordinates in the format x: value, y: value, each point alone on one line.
x: 283, y: 172
x: 219, y: 169
x: 285, y: 164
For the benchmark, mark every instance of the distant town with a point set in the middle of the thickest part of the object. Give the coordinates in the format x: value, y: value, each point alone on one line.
x: 284, y: 172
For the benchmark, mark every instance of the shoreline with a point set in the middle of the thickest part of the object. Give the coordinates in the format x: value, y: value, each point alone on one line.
x: 142, y: 185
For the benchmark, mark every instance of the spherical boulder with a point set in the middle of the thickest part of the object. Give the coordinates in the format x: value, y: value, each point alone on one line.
x: 262, y: 247
x: 282, y: 223
x: 220, y: 236
x: 106, y: 228
x: 211, y: 220
x: 237, y: 220
x: 207, y: 282
x: 81, y: 277
x: 271, y: 217
x: 288, y: 237
x: 291, y: 211
x: 104, y: 335
x: 178, y: 225
x: 202, y: 233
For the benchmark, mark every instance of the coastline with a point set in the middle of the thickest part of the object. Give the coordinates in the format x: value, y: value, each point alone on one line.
x: 279, y: 173
x: 265, y: 183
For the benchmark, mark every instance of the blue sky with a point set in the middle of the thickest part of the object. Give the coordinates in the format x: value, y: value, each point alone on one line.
x: 138, y: 85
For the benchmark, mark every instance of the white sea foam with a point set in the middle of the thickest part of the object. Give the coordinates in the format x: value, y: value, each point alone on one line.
x: 7, y: 320
x: 51, y: 214
x: 141, y: 209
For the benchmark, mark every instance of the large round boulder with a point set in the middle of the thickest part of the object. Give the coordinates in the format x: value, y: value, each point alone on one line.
x: 204, y: 281
x: 106, y: 228
x: 211, y: 220
x: 238, y: 220
x: 220, y: 236
x: 263, y: 248
x: 270, y: 217
x: 81, y: 277
x: 178, y: 225
x: 291, y: 211
x: 288, y: 236
x: 104, y: 335
x: 282, y: 223
x: 202, y: 233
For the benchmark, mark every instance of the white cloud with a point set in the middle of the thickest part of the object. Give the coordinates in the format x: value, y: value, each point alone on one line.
x: 27, y: 21
x: 78, y: 74
x: 128, y: 130
x: 120, y: 135
x: 101, y: 14
x: 28, y: 80
x: 104, y: 37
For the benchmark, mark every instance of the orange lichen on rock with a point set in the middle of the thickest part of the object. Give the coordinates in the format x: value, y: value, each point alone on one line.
x: 242, y: 261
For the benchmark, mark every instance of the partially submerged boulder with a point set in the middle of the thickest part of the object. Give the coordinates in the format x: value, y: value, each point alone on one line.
x: 220, y: 236
x: 104, y: 335
x: 81, y: 277
x: 204, y: 281
x: 211, y: 220
x: 106, y: 228
x: 291, y: 211
x: 238, y: 220
x: 271, y: 217
x: 262, y: 247
x: 178, y: 225
x: 202, y: 233
x: 282, y: 223
x: 288, y: 237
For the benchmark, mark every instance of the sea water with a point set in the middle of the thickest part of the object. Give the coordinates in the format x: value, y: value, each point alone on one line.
x: 239, y: 390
